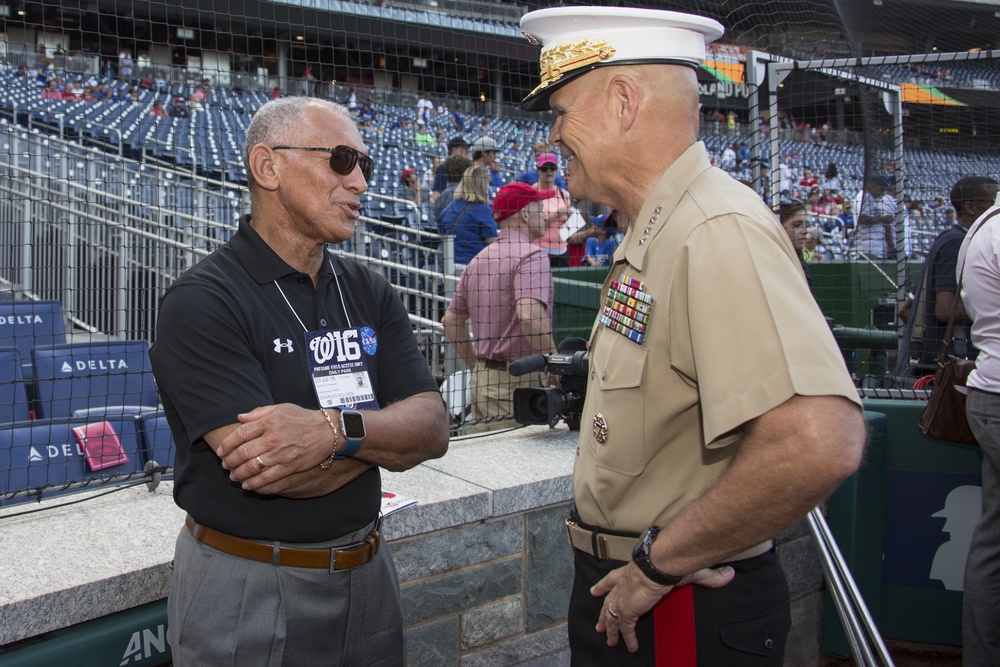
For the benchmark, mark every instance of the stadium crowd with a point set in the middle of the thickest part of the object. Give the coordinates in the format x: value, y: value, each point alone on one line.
x: 414, y: 147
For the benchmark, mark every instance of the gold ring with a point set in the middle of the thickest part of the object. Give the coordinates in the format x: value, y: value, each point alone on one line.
x: 612, y: 612
x: 261, y: 464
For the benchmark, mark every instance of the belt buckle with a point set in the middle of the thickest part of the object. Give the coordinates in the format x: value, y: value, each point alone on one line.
x: 373, y: 542
x: 600, y: 544
x: 376, y: 536
x: 370, y: 544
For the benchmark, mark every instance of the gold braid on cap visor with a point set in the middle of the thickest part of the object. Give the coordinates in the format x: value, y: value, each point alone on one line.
x: 564, y: 58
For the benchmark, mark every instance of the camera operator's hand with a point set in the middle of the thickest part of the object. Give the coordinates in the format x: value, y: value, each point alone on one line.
x: 552, y: 381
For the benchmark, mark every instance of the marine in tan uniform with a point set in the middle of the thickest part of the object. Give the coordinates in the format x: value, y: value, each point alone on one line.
x: 719, y: 410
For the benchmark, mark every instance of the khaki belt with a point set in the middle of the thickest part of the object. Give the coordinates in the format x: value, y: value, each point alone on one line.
x: 342, y: 559
x: 619, y: 547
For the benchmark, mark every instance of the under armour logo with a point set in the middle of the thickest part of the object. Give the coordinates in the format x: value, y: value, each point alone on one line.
x: 285, y: 346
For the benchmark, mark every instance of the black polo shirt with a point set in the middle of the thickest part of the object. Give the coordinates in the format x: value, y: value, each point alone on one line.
x: 227, y: 342
x: 940, y: 265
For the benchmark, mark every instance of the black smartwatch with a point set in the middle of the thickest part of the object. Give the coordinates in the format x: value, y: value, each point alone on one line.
x: 640, y: 556
x: 352, y: 423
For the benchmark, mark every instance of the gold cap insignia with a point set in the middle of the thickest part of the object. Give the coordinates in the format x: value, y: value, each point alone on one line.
x: 564, y: 58
x: 600, y: 428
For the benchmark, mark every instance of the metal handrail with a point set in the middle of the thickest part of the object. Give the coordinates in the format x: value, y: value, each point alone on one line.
x: 862, y: 633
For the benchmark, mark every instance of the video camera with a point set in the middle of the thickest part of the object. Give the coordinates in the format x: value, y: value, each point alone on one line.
x: 547, y: 405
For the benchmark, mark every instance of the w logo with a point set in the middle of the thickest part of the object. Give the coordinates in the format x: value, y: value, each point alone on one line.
x: 283, y: 346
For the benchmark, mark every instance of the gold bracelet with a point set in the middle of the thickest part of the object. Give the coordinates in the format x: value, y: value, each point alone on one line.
x: 325, y: 465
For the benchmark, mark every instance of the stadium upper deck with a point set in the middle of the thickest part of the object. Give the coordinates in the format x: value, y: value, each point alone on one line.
x: 471, y: 48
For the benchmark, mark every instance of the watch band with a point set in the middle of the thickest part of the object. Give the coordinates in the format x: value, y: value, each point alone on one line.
x: 350, y: 447
x: 640, y: 556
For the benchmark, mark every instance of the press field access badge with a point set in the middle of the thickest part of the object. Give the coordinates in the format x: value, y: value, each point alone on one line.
x: 339, y: 368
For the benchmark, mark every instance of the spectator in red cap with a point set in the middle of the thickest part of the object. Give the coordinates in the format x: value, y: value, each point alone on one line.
x: 506, y: 292
x: 179, y: 110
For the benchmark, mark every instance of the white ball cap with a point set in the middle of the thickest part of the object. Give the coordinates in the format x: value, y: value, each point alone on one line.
x: 483, y: 144
x: 575, y: 40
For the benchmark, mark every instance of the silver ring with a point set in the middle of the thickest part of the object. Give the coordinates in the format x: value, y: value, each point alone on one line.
x: 612, y: 612
x: 261, y: 464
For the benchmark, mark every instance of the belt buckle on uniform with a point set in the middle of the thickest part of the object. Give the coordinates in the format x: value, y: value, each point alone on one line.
x: 600, y: 544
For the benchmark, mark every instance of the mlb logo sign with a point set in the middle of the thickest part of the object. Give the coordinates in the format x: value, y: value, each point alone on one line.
x: 929, y: 518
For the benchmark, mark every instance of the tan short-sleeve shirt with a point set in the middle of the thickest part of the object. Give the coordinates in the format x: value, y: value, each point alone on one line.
x: 732, y: 333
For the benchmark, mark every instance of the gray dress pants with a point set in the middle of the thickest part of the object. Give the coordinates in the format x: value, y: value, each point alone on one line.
x: 981, y: 604
x: 225, y: 610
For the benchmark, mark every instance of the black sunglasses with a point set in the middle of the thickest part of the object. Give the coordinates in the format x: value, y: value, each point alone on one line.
x: 343, y: 159
x: 548, y: 167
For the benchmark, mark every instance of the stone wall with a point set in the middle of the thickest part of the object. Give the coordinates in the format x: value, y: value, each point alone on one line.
x: 483, y: 560
x: 490, y: 593
x: 496, y: 592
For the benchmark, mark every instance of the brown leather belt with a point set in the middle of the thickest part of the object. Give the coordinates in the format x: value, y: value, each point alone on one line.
x: 494, y: 364
x: 342, y: 559
x: 619, y: 547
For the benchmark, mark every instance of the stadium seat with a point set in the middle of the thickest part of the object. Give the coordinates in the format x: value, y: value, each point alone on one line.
x: 26, y: 324
x: 155, y: 439
x: 13, y: 395
x: 51, y: 453
x: 84, y: 376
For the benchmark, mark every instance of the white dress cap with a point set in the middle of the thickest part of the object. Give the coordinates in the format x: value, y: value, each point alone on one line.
x: 575, y: 40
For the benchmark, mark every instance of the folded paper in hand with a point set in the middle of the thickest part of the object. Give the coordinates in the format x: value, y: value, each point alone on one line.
x: 574, y: 223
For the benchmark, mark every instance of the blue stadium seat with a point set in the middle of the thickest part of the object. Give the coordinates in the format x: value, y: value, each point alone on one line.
x: 25, y: 324
x: 13, y: 394
x: 48, y: 453
x: 92, y: 375
x: 155, y: 438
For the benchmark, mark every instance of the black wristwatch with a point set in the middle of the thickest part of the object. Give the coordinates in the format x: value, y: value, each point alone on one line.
x: 640, y: 556
x: 352, y: 423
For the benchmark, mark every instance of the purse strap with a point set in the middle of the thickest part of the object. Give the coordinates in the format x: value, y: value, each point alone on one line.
x: 451, y: 232
x: 950, y: 329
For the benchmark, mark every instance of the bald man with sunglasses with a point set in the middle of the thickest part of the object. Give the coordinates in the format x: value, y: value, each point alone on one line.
x: 289, y: 376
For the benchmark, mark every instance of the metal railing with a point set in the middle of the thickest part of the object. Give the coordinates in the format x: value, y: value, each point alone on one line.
x: 106, y: 236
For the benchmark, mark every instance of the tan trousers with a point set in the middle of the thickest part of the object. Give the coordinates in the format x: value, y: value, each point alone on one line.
x: 493, y: 391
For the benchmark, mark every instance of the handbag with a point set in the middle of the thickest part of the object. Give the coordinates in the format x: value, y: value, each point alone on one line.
x: 944, y: 417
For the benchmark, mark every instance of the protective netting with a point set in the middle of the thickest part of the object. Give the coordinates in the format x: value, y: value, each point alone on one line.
x: 122, y: 126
